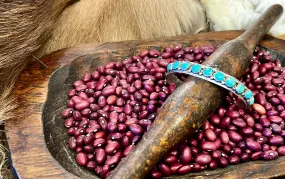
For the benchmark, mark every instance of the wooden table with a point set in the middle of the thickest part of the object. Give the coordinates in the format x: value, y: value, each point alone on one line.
x: 30, y: 155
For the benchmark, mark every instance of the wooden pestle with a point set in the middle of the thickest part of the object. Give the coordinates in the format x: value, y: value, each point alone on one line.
x: 194, y: 101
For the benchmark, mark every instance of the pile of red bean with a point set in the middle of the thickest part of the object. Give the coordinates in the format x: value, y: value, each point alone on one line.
x: 110, y: 109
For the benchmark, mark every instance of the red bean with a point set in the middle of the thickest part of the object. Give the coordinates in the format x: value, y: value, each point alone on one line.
x: 111, y: 99
x: 217, y: 143
x: 276, y: 128
x: 232, y: 114
x: 91, y: 165
x: 175, y: 167
x: 261, y: 139
x: 208, y: 146
x: 269, y: 87
x: 136, y: 129
x: 214, y: 119
x: 244, y: 157
x: 128, y: 149
x: 115, y: 136
x: 111, y: 148
x: 224, y: 137
x: 88, y: 149
x: 122, y: 118
x: 131, y: 121
x: 234, y: 136
x: 183, y: 170
x: 281, y: 150
x: 113, y: 117
x: 79, y: 150
x: 249, y: 121
x: 99, y: 142
x: 112, y: 160
x: 105, y: 171
x: 155, y: 174
x: 102, y: 113
x: 225, y: 122
x: 166, y: 55
x: 79, y: 132
x: 81, y: 159
x: 264, y: 122
x: 275, y: 119
x: 226, y: 148
x: 112, y: 127
x: 109, y: 90
x: 223, y: 162
x: 69, y: 122
x: 164, y: 169
x: 210, y: 135
x: 247, y: 131
x: 236, y: 151
x: 267, y: 132
x: 101, y: 84
x: 216, y: 154
x: 133, y: 69
x: 258, y: 108
x: 253, y: 145
x: 154, y: 53
x: 239, y: 122
x: 170, y: 159
x: 186, y: 155
x: 72, y: 143
x: 91, y: 157
x: 203, y: 159
x: 136, y: 139
x: 145, y: 122
x: 254, y: 75
x: 67, y: 113
x: 93, y: 128
x: 269, y: 155
x: 127, y: 109
x: 276, y: 140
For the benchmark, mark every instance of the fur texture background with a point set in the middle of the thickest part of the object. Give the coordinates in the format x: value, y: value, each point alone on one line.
x: 109, y: 20
x: 24, y: 27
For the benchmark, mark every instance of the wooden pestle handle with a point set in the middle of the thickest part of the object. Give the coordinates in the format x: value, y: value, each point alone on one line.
x: 193, y: 102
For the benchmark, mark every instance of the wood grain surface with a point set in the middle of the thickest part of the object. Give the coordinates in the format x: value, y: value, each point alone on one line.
x: 30, y: 155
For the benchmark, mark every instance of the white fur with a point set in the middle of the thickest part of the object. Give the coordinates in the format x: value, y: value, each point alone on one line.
x: 239, y: 14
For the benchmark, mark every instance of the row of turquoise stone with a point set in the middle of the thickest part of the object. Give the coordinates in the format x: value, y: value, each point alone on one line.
x: 214, y: 76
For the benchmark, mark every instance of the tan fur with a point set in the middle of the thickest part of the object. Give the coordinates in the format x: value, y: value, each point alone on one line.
x: 107, y: 20
x: 24, y: 27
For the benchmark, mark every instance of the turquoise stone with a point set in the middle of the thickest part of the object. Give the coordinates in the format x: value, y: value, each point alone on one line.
x: 207, y: 71
x: 219, y: 76
x: 240, y: 88
x: 169, y: 66
x: 248, y: 94
x: 251, y: 100
x: 230, y: 82
x: 196, y: 68
x: 175, y: 65
x: 185, y: 65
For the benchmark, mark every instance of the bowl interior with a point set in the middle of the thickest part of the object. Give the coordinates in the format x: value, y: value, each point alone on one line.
x: 61, y: 81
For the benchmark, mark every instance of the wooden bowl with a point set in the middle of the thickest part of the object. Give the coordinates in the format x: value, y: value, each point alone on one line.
x: 37, y: 137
